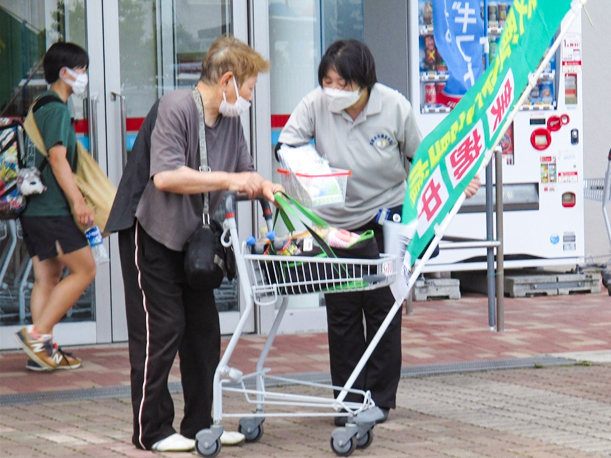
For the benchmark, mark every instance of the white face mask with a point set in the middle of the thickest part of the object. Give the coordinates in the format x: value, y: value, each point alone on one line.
x: 79, y: 84
x: 234, y: 109
x: 340, y: 100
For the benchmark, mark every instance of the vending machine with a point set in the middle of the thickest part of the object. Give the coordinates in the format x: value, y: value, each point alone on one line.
x: 542, y: 151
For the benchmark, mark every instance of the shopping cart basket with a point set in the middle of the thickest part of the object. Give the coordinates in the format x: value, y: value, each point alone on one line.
x: 319, y: 274
x: 599, y: 189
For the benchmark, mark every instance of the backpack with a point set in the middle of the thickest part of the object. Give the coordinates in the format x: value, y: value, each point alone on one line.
x: 12, y: 202
x: 18, y: 177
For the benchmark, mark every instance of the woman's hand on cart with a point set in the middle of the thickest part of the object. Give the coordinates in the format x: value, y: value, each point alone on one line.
x: 253, y: 184
x: 268, y: 189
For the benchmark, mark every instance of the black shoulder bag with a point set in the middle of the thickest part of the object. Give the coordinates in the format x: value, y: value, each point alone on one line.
x: 206, y: 259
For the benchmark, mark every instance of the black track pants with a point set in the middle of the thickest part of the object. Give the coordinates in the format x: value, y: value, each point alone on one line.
x: 348, y: 338
x: 165, y: 317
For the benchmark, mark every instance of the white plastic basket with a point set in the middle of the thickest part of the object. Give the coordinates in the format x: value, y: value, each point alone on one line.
x: 594, y: 189
x: 316, y: 190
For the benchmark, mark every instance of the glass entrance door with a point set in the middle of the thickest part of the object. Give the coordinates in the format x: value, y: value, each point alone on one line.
x: 152, y: 47
x: 138, y: 51
x: 27, y: 30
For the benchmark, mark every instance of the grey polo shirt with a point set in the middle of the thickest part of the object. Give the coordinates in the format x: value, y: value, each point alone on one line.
x: 170, y: 218
x: 373, y: 147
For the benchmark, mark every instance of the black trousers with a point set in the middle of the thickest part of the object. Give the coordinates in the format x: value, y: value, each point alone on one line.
x: 348, y: 338
x: 165, y: 317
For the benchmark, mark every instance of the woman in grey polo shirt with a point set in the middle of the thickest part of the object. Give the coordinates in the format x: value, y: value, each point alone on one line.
x: 370, y: 129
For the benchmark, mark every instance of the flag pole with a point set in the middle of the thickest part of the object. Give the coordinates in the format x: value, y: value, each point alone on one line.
x: 576, y: 7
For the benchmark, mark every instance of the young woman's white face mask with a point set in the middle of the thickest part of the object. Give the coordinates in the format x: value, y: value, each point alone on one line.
x: 234, y: 109
x: 339, y: 99
x: 78, y: 84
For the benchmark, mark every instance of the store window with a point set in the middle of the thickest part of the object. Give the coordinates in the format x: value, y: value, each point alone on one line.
x: 299, y: 33
x: 162, y: 45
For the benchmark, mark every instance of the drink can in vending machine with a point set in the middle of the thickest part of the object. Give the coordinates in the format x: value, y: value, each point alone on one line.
x: 503, y: 8
x: 430, y: 94
x: 494, y: 44
x: 441, y: 65
x: 535, y: 94
x: 430, y: 57
x: 493, y: 14
x: 439, y: 85
x: 427, y: 12
x: 546, y: 91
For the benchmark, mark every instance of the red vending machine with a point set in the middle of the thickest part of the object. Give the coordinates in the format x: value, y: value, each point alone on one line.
x: 542, y: 151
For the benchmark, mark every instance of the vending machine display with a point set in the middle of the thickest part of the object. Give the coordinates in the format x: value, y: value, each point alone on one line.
x: 433, y: 71
x: 542, y: 150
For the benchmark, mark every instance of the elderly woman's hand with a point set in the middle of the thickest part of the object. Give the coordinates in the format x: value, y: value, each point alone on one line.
x: 248, y: 182
x: 268, y: 189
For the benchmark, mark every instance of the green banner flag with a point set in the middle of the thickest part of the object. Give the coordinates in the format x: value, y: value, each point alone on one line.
x: 450, y: 156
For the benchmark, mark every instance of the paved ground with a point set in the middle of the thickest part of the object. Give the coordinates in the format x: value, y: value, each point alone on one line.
x: 436, y: 332
x: 544, y: 410
x: 536, y: 413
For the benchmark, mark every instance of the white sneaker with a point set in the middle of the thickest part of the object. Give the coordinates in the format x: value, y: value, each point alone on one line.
x: 232, y: 438
x: 174, y: 443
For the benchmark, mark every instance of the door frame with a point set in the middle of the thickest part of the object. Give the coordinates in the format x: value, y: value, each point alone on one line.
x: 113, y: 325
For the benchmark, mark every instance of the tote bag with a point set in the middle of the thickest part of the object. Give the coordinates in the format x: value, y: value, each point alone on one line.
x: 96, y: 188
x: 306, y: 276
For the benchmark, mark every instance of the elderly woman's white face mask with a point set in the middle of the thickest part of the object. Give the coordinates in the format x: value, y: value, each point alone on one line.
x: 234, y: 109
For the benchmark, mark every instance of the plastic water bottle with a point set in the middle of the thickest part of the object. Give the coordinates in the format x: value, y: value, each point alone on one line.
x: 94, y: 237
x: 257, y: 246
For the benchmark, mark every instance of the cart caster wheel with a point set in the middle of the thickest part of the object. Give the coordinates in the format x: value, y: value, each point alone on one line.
x: 365, y: 440
x: 211, y: 451
x: 252, y: 435
x: 344, y: 449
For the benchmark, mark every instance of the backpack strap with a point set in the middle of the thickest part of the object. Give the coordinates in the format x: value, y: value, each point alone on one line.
x: 45, y: 99
x: 38, y: 104
x: 41, y: 102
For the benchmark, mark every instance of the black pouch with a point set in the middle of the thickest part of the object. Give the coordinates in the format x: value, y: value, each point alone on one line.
x: 206, y: 259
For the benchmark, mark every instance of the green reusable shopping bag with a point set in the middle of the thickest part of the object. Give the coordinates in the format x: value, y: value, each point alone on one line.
x: 300, y: 274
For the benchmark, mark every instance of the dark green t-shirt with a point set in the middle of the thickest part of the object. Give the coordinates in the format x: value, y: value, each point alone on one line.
x: 55, y: 126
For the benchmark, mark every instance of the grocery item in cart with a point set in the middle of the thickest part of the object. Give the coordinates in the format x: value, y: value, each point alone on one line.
x: 303, y: 272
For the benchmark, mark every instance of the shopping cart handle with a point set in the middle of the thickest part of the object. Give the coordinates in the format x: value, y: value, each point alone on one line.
x: 233, y: 197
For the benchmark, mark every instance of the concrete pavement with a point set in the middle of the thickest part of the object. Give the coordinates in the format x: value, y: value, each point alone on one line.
x: 554, y: 412
x: 454, y: 401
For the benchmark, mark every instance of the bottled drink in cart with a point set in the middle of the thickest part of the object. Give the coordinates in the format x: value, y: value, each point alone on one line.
x: 94, y: 237
x: 257, y: 246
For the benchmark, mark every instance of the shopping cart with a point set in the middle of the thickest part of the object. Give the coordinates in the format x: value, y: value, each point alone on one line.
x: 316, y: 274
x: 599, y: 189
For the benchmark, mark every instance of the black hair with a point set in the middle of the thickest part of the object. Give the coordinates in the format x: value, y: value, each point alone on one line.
x: 61, y: 55
x: 352, y: 60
